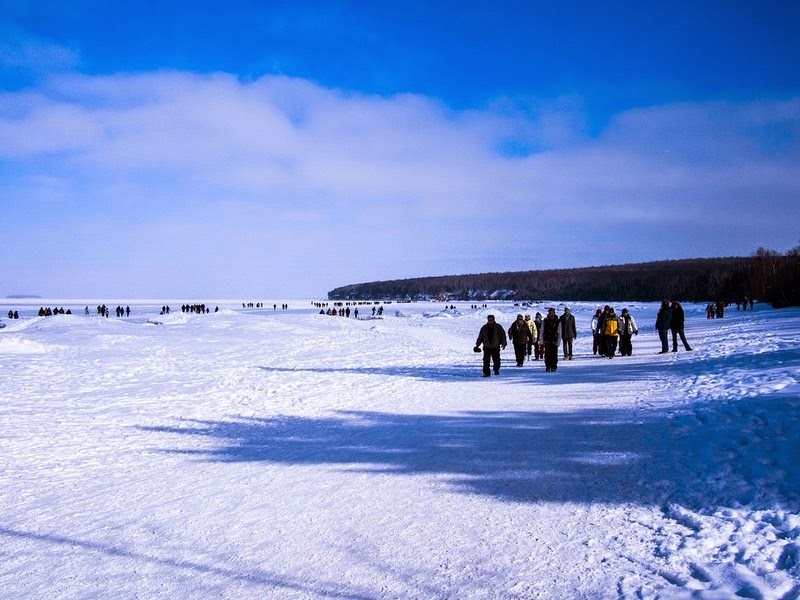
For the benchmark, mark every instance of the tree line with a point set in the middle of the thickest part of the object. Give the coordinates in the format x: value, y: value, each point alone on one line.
x: 765, y: 276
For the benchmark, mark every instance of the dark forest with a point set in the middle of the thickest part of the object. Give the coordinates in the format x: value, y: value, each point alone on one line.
x: 766, y: 276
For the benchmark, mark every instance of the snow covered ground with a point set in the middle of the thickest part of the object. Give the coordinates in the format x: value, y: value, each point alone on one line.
x: 255, y: 453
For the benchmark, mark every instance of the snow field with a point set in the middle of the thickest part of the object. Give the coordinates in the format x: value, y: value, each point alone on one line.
x: 261, y: 453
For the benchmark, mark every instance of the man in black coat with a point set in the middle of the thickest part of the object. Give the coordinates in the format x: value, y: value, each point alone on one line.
x: 676, y: 325
x: 551, y: 336
x: 493, y: 338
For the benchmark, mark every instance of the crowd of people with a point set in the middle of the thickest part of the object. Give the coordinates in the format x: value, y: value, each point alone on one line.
x: 119, y: 311
x: 543, y: 337
x: 200, y: 309
x: 716, y: 310
x: 344, y: 311
x: 534, y: 338
x: 104, y: 311
x: 46, y: 311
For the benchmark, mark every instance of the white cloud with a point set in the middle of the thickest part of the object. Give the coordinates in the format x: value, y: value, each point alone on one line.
x: 298, y: 174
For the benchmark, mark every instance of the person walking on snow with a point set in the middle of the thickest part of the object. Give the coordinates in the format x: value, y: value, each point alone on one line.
x: 597, y: 336
x: 521, y: 336
x: 611, y: 331
x: 534, y: 334
x: 493, y: 338
x: 538, y: 349
x: 663, y: 319
x: 627, y: 329
x: 676, y: 325
x: 568, y: 332
x: 550, y: 335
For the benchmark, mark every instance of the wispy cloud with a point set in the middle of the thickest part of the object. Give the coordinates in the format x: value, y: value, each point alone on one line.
x: 25, y: 55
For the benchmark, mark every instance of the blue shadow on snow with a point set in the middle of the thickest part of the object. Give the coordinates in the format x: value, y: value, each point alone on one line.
x: 698, y: 459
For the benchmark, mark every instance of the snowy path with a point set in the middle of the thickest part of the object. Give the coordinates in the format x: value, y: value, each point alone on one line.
x: 252, y: 454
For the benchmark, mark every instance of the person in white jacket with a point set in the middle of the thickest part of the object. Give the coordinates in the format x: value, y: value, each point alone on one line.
x: 627, y: 329
x: 597, y: 335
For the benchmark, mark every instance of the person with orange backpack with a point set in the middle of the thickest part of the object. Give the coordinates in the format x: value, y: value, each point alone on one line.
x: 611, y: 332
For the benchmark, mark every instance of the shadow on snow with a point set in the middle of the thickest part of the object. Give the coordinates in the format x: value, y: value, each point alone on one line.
x: 585, y: 369
x: 721, y: 456
x: 740, y: 452
x: 191, y: 567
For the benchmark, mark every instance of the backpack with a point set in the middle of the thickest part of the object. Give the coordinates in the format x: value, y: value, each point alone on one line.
x: 612, y: 325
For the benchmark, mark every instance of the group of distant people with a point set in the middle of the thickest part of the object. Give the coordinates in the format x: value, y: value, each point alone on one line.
x: 46, y: 311
x: 125, y: 311
x: 261, y: 305
x: 542, y: 337
x: 341, y: 312
x: 340, y: 305
x: 105, y: 311
x: 716, y: 310
x: 199, y: 309
x: 344, y: 311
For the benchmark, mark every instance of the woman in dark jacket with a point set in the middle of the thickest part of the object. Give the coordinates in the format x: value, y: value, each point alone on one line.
x: 663, y: 320
x: 550, y: 335
x: 676, y: 324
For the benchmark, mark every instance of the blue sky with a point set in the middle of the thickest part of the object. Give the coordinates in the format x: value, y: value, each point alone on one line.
x: 279, y: 149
